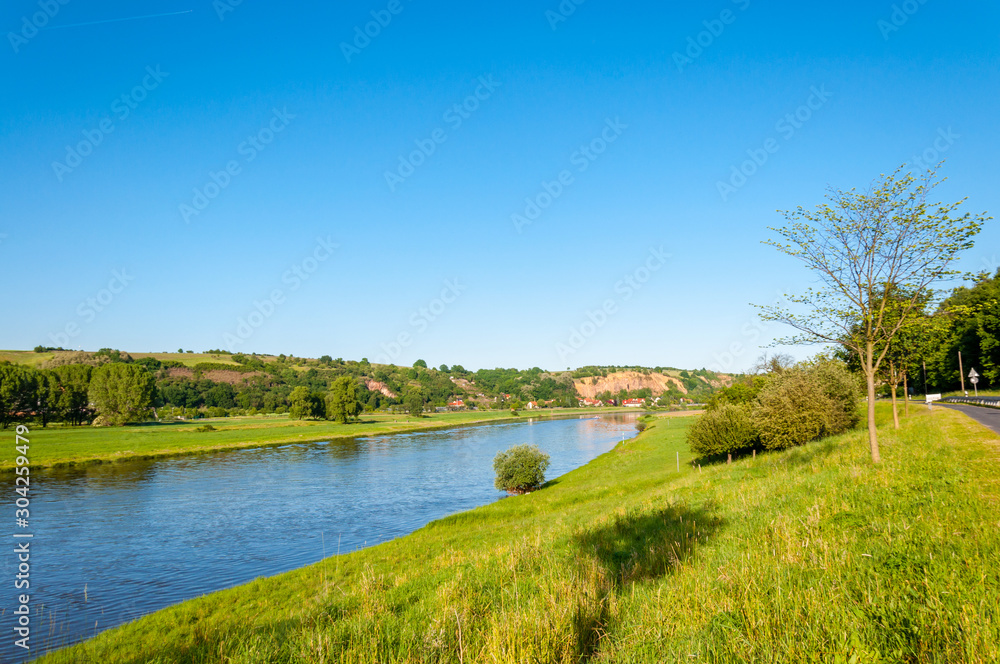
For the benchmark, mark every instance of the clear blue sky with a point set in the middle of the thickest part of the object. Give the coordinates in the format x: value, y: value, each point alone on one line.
x: 311, y: 133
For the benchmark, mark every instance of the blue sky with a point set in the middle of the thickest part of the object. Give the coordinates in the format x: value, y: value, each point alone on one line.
x: 229, y: 147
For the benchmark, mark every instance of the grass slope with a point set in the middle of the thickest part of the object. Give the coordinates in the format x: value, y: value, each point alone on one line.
x: 810, y: 555
x: 58, y: 445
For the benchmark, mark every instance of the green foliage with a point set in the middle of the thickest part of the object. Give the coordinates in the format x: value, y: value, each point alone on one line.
x: 805, y: 403
x: 724, y: 429
x: 342, y: 401
x: 305, y: 403
x: 18, y: 391
x: 414, y: 402
x: 420, y: 364
x: 73, y: 401
x: 205, y: 428
x: 865, y: 248
x: 742, y: 391
x: 520, y: 469
x: 121, y: 393
x: 976, y: 334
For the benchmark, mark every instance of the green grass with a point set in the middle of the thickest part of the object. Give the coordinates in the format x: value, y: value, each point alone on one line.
x: 58, y: 445
x: 810, y: 555
x: 33, y: 359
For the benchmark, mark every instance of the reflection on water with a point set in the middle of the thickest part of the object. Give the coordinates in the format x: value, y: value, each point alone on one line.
x: 116, y: 541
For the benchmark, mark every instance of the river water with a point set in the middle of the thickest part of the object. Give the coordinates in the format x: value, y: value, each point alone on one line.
x: 117, y: 541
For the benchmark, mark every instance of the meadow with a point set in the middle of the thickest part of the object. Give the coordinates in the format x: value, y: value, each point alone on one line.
x: 807, y: 555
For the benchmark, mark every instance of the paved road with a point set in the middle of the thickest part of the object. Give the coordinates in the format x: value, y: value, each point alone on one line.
x: 987, y: 416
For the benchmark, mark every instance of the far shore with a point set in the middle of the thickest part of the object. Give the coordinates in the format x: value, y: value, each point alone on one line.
x: 62, y: 446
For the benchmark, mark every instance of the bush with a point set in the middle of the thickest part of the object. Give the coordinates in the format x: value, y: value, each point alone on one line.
x: 803, y: 404
x: 725, y: 429
x: 640, y: 426
x: 205, y: 428
x: 520, y: 469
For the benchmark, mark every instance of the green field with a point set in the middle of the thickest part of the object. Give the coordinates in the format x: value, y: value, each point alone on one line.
x: 33, y: 359
x: 810, y: 555
x: 58, y: 445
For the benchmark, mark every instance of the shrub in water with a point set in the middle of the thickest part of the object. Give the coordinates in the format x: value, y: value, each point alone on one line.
x: 520, y: 469
x: 723, y: 430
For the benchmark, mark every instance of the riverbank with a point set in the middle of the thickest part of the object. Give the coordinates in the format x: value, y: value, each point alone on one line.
x: 57, y: 446
x: 812, y: 553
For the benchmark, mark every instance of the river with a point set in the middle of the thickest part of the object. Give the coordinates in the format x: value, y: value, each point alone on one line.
x: 114, y: 542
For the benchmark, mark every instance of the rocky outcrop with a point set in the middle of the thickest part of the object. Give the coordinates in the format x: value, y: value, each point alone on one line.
x: 379, y: 386
x: 627, y: 380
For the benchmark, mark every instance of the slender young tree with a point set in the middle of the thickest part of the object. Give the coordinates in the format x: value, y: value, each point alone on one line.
x: 862, y: 248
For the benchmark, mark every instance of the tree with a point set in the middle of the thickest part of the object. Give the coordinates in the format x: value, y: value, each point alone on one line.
x: 74, y: 383
x: 49, y: 391
x: 863, y: 247
x: 443, y: 368
x: 974, y: 331
x: 420, y: 364
x: 122, y: 393
x: 724, y: 429
x: 305, y: 403
x: 342, y: 401
x: 805, y: 403
x: 18, y: 392
x: 520, y: 469
x: 414, y: 402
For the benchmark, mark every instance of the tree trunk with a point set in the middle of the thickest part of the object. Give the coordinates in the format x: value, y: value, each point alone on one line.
x: 906, y: 396
x: 870, y: 379
x: 895, y: 409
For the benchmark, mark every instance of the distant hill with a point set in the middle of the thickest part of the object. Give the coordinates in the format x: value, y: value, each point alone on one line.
x: 262, y: 383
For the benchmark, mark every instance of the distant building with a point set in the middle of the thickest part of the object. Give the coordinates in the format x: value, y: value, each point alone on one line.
x: 634, y: 403
x: 532, y: 404
x: 456, y: 405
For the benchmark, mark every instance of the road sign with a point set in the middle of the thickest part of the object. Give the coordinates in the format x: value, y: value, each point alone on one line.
x: 974, y: 380
x: 973, y: 374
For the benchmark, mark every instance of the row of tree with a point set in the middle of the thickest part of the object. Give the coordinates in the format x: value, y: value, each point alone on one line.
x: 113, y: 394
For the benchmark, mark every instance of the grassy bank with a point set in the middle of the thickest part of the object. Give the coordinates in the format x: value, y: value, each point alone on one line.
x: 811, y: 555
x: 58, y: 445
